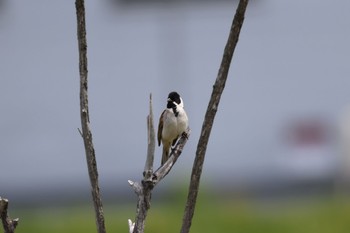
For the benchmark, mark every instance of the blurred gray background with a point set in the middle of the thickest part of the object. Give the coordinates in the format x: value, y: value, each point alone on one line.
x: 290, y: 70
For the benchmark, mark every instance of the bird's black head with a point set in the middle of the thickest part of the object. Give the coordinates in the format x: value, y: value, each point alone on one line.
x: 173, y: 97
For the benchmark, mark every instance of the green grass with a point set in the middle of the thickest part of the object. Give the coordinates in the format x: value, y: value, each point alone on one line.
x: 321, y: 215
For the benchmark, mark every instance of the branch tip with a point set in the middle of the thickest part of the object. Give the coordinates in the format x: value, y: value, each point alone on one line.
x: 81, y: 133
x: 131, y: 182
x: 131, y: 225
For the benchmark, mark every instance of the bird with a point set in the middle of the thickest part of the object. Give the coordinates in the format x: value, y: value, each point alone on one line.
x: 173, y: 122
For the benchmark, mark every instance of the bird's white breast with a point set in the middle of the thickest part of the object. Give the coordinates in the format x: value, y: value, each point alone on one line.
x: 174, y: 126
x: 182, y: 121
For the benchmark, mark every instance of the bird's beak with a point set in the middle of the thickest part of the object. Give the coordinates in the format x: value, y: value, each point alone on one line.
x: 169, y: 100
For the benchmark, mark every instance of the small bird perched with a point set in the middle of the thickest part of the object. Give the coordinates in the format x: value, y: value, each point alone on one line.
x: 172, y: 123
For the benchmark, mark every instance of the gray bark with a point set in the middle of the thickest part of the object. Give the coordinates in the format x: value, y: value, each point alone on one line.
x: 8, y: 224
x: 218, y: 88
x: 84, y: 114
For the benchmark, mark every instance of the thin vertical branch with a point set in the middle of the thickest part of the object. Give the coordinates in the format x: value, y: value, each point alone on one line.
x: 210, y: 114
x: 8, y: 224
x: 144, y: 189
x: 151, y: 139
x: 84, y: 114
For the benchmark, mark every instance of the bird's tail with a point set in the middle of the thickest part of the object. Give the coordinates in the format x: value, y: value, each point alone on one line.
x: 165, y: 155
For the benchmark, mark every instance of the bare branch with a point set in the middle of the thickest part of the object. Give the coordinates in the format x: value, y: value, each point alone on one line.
x: 151, y: 143
x: 131, y: 226
x: 210, y: 114
x: 84, y: 114
x: 143, y: 190
x: 8, y: 224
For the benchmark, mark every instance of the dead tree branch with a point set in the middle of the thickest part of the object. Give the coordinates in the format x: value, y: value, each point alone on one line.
x: 151, y: 143
x: 8, y: 224
x: 210, y: 114
x: 144, y: 189
x: 84, y: 114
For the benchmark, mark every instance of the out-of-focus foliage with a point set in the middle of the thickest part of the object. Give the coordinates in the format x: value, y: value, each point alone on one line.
x: 303, y: 215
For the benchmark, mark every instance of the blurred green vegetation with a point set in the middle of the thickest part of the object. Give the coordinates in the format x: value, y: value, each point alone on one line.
x: 213, y: 214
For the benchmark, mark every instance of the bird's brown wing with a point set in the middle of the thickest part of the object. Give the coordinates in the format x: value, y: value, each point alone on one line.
x: 160, y: 128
